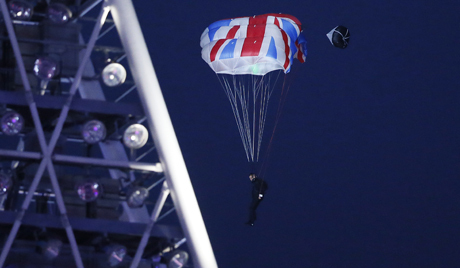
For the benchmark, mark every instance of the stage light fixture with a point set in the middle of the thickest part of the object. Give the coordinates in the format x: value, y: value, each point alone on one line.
x: 135, y: 136
x: 116, y: 253
x: 46, y: 68
x: 20, y: 10
x: 93, y: 131
x: 58, y: 13
x: 114, y: 74
x: 51, y: 248
x: 5, y: 183
x: 136, y: 196
x: 177, y: 259
x: 89, y: 190
x: 12, y: 122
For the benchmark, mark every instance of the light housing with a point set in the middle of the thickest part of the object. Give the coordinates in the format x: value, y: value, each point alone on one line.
x: 51, y: 248
x: 89, y: 190
x: 46, y: 67
x: 135, y: 136
x: 20, y: 10
x: 93, y: 131
x: 114, y: 74
x: 136, y: 196
x: 116, y: 253
x: 5, y: 183
x: 177, y: 259
x: 12, y: 123
x: 58, y: 13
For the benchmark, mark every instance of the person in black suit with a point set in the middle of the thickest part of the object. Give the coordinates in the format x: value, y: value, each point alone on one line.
x: 259, y: 186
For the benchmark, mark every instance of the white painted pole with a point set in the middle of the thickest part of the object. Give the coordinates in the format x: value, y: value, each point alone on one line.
x: 163, y: 133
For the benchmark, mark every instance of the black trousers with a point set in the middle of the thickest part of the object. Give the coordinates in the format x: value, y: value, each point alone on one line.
x: 252, y: 208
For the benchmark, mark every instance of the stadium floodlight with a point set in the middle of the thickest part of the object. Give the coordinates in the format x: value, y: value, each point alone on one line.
x: 12, y: 122
x: 20, y: 10
x: 135, y: 136
x: 58, y: 13
x: 136, y: 196
x: 114, y: 74
x: 46, y: 68
x: 5, y: 183
x: 93, y: 131
x: 89, y: 190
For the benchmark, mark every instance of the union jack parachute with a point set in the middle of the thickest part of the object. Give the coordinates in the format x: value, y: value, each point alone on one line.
x: 253, y: 45
x: 248, y: 54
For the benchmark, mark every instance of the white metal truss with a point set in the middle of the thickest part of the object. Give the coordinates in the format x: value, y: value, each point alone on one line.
x: 177, y: 181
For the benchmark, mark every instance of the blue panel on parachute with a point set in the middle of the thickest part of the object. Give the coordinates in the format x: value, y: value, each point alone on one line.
x: 216, y: 26
x: 291, y: 31
x: 229, y: 49
x: 272, y: 49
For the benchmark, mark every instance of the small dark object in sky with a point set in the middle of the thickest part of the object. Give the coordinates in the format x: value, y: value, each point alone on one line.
x: 339, y: 36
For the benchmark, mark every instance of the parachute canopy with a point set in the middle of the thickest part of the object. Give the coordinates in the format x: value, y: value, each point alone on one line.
x: 253, y: 45
x: 248, y: 54
x: 339, y: 36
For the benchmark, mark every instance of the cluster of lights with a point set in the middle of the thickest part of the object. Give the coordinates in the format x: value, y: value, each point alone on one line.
x: 23, y: 10
x: 20, y: 10
x: 134, y: 137
x: 94, y: 131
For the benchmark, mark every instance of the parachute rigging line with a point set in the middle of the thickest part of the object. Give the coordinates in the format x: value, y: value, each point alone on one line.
x: 249, y: 97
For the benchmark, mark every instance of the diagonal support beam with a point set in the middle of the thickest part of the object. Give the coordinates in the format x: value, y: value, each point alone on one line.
x: 65, y: 110
x: 160, y: 125
x: 25, y: 205
x: 153, y: 218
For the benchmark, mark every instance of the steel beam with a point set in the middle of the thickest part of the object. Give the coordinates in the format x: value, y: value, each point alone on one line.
x: 178, y: 179
x: 80, y: 105
x: 92, y: 225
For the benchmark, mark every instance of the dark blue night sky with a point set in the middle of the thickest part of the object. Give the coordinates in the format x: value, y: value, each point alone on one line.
x: 365, y: 164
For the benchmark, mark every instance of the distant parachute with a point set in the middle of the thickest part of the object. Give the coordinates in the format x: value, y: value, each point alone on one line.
x: 248, y: 55
x: 339, y: 36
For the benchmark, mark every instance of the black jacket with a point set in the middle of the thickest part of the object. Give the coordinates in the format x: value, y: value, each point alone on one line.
x: 259, y: 186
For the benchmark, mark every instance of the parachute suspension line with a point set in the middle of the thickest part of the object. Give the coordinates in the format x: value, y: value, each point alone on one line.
x: 264, y: 98
x: 243, y: 92
x: 267, y: 89
x: 249, y: 96
x: 232, y: 97
x: 257, y: 89
x: 237, y: 96
x: 255, y: 93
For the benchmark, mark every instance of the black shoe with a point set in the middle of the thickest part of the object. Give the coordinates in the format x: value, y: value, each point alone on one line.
x: 250, y: 223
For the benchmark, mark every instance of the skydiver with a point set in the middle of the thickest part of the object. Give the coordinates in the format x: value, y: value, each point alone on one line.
x: 259, y: 186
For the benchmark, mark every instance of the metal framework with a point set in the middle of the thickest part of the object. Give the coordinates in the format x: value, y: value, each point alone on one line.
x: 177, y: 182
